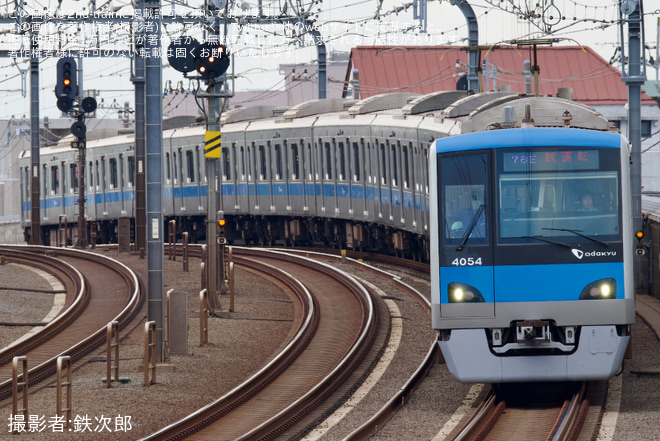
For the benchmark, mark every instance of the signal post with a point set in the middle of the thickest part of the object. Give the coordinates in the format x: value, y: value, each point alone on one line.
x: 209, y: 60
x: 68, y: 101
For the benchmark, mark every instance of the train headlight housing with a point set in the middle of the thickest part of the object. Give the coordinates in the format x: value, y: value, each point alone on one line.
x: 462, y: 293
x: 599, y: 290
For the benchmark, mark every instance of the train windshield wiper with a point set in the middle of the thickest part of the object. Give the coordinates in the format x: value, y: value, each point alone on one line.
x: 470, y: 227
x: 579, y: 233
x: 543, y: 239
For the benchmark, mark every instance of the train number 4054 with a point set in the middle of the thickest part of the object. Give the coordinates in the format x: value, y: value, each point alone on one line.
x: 466, y: 261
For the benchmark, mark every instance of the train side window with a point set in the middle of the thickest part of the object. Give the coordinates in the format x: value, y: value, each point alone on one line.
x: 113, y: 173
x: 263, y: 169
x: 394, y: 166
x: 226, y: 164
x: 54, y: 179
x: 64, y: 189
x: 368, y: 165
x: 28, y: 182
x: 243, y: 173
x: 131, y: 171
x: 406, y: 166
x: 235, y: 159
x: 328, y: 161
x: 278, y: 162
x: 310, y: 168
x: 383, y: 165
x: 249, y: 157
x: 175, y: 168
x: 295, y: 162
x: 190, y: 166
x: 356, y: 162
x: 168, y: 167
x: 44, y: 177
x: 342, y: 161
x: 103, y: 179
x: 90, y: 172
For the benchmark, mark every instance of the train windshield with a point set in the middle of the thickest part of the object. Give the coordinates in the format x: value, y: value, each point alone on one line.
x: 464, y: 183
x: 568, y: 193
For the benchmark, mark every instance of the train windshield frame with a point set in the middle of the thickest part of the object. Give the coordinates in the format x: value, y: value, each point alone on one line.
x: 562, y: 194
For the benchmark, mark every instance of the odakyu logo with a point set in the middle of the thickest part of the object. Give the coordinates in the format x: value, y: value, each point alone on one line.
x: 580, y: 254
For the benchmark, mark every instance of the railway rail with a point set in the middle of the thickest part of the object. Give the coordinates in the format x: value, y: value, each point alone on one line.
x: 75, y: 332
x: 554, y: 413
x: 335, y: 330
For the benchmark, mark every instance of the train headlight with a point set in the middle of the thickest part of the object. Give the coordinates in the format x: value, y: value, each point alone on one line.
x: 599, y: 290
x: 462, y: 293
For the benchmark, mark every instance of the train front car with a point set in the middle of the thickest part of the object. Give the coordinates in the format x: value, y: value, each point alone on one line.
x: 532, y: 254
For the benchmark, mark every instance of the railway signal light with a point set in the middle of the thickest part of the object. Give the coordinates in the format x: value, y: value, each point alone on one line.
x: 222, y: 240
x: 213, y: 60
x: 66, y: 87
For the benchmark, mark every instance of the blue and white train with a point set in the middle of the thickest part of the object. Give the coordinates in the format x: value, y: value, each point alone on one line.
x: 531, y: 252
x: 527, y: 284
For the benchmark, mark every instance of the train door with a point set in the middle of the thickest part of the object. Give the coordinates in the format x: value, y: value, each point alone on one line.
x: 242, y: 196
x: 371, y: 187
x: 407, y: 190
x: 465, y: 235
x: 130, y: 184
x: 309, y: 187
x: 279, y: 194
x: 384, y: 211
x: 343, y: 179
x: 396, y: 193
x: 296, y: 176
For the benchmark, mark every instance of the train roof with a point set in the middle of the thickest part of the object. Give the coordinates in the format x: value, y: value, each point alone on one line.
x: 445, y: 113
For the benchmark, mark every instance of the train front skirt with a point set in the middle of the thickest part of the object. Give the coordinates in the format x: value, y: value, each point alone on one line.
x: 598, y: 356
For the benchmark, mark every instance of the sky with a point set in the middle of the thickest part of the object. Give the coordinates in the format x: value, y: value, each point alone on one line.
x: 259, y: 48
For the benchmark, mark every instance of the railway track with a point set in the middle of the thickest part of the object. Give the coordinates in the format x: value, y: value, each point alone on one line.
x: 336, y: 324
x: 552, y: 412
x: 98, y: 290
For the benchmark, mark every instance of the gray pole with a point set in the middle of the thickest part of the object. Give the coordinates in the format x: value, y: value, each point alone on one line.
x: 140, y: 196
x: 473, y: 42
x: 322, y: 56
x: 154, y: 167
x: 634, y: 80
x: 213, y: 195
x: 35, y: 239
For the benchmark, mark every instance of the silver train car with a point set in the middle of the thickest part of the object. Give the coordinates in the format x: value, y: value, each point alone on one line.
x: 350, y: 174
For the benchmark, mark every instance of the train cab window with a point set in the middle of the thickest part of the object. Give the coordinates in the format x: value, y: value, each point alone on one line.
x: 54, y: 179
x: 263, y: 168
x: 328, y: 161
x: 103, y: 179
x: 356, y: 162
x: 279, y: 169
x: 342, y: 161
x: 113, y: 173
x: 464, y: 189
x: 190, y: 166
x: 553, y: 193
x: 395, y: 168
x: 28, y: 180
x: 131, y: 171
x: 295, y: 162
